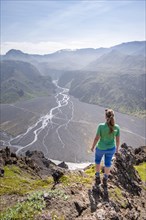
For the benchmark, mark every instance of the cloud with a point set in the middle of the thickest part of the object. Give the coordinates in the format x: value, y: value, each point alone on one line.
x: 43, y: 47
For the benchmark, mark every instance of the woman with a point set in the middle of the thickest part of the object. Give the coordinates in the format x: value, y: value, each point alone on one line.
x: 107, y: 141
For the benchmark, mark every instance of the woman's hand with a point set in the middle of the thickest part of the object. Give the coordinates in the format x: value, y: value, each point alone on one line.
x: 92, y: 149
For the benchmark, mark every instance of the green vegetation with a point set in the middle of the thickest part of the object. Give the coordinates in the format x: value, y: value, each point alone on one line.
x: 90, y: 171
x: 117, y: 196
x: 141, y: 168
x: 17, y: 181
x: 76, y: 178
x: 110, y: 89
x: 24, y: 183
x: 33, y: 205
x: 85, y: 178
x: 27, y: 209
x: 21, y: 81
x: 55, y: 216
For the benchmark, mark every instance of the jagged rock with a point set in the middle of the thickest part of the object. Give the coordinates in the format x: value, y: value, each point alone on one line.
x: 83, y: 203
x: 34, y: 160
x: 1, y: 171
x: 2, y: 163
x: 45, y: 165
x: 57, y: 174
x: 7, y: 150
x: 140, y: 155
x: 34, y: 153
x: 124, y: 171
x: 13, y: 154
x: 63, y: 165
x: 80, y: 207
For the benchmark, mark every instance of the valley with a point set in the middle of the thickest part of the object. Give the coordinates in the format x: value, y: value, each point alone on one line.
x: 61, y: 126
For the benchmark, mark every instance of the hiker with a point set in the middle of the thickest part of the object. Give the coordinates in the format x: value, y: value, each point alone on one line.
x: 107, y: 141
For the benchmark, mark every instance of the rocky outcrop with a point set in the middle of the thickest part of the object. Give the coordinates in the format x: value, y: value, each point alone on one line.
x: 123, y: 171
x: 34, y: 161
x: 63, y: 165
x: 75, y: 198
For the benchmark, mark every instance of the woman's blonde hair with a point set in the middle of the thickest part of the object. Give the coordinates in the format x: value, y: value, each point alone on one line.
x: 109, y: 113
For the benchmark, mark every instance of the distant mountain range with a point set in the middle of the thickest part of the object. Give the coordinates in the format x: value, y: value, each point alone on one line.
x: 112, y: 77
x: 22, y: 80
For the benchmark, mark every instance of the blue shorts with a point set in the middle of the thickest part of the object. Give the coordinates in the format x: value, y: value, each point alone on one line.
x: 108, y: 154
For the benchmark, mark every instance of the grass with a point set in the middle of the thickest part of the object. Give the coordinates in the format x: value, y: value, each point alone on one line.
x: 141, y: 169
x: 85, y: 179
x: 70, y: 179
x: 116, y: 195
x: 33, y: 205
x: 91, y: 171
x: 17, y: 181
x: 27, y: 209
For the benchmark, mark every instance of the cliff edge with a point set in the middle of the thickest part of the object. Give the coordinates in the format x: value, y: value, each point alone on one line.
x: 33, y: 187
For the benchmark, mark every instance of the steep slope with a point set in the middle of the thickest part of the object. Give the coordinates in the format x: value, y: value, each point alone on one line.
x: 111, y: 77
x: 117, y: 61
x: 116, y: 79
x: 22, y: 80
x: 32, y: 187
x: 131, y: 48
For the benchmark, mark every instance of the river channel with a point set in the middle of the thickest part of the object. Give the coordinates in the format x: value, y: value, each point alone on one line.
x: 66, y: 130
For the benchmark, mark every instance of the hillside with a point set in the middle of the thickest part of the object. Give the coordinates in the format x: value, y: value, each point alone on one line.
x: 112, y: 77
x: 61, y: 60
x: 116, y: 79
x: 21, y: 80
x: 123, y: 92
x: 33, y: 187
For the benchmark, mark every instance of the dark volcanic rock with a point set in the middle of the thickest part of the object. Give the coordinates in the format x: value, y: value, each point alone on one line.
x: 34, y: 160
x: 63, y: 165
x: 122, y: 199
x: 124, y: 171
x: 46, y: 167
x: 57, y: 174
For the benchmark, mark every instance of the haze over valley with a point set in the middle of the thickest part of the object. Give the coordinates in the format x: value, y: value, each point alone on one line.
x: 54, y: 102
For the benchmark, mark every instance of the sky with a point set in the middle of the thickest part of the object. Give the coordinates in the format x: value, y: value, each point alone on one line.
x: 43, y: 27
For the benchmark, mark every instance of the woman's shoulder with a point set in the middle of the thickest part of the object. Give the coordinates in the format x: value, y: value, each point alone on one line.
x: 101, y: 124
x: 117, y: 126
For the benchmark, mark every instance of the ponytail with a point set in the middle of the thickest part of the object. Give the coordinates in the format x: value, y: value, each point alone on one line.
x: 110, y: 119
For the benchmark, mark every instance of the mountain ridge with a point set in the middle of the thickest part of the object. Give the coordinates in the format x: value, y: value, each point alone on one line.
x: 21, y: 79
x: 34, y: 187
x: 105, y: 66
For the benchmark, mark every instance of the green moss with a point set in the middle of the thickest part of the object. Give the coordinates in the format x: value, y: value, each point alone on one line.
x: 90, y: 171
x: 116, y: 194
x: 141, y: 168
x: 17, y: 181
x: 55, y: 216
x: 76, y: 178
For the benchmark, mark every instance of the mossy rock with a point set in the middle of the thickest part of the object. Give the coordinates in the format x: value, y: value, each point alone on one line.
x: 141, y: 169
x: 18, y: 181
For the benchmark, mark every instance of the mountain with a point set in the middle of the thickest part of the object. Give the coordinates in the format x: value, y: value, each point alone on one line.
x: 117, y: 61
x: 22, y: 80
x: 111, y: 77
x: 60, y: 61
x: 32, y: 187
x: 116, y: 79
x: 131, y: 48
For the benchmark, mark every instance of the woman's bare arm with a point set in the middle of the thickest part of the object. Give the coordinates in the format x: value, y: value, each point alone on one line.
x: 117, y: 143
x: 95, y: 142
